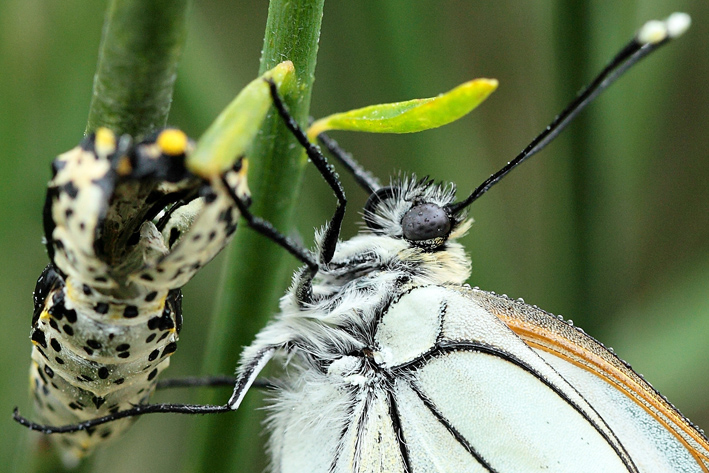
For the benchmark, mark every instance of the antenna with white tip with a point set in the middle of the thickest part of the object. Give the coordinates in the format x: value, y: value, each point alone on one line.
x: 649, y: 38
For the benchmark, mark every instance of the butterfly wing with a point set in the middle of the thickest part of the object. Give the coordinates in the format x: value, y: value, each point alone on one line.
x: 464, y: 380
x: 651, y: 429
x: 487, y: 390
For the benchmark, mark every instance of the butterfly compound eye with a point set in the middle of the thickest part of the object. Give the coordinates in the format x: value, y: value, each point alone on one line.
x: 425, y: 222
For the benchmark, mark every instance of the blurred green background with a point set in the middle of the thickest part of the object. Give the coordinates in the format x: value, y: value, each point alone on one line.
x: 609, y: 226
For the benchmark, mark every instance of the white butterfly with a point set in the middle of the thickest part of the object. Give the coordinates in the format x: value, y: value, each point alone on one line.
x: 391, y: 363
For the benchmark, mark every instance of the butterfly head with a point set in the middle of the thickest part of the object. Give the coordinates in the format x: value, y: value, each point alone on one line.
x: 416, y: 210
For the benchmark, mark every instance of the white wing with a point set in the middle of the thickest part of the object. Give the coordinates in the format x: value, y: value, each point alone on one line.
x: 451, y: 387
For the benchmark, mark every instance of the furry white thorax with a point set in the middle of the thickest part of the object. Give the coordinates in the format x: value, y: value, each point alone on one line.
x: 353, y: 289
x: 324, y: 345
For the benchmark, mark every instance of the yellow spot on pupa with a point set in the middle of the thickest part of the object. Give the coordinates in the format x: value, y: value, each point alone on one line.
x: 244, y: 167
x: 105, y: 141
x: 172, y: 142
x: 124, y: 167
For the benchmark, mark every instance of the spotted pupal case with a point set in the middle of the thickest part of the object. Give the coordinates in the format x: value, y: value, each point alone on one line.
x: 126, y: 226
x: 108, y: 308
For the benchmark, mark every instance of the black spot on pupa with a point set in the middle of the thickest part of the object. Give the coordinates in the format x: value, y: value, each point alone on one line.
x: 86, y: 378
x: 212, y: 235
x: 101, y: 308
x: 55, y: 345
x: 38, y: 336
x: 42, y: 353
x: 103, y: 372
x: 119, y: 381
x: 146, y: 277
x: 53, y: 323
x: 163, y: 336
x: 169, y: 348
x: 209, y: 196
x: 70, y: 315
x: 150, y: 338
x: 130, y: 312
x: 124, y: 354
x: 58, y: 360
x: 86, y: 289
x: 68, y: 330
x: 153, y: 354
x: 70, y: 189
x: 151, y: 296
x: 153, y: 374
x: 88, y: 351
x: 224, y: 216
x: 68, y: 213
x: 74, y: 406
x: 96, y: 345
x: 49, y: 371
x: 123, y: 347
x: 41, y: 375
x: 174, y: 236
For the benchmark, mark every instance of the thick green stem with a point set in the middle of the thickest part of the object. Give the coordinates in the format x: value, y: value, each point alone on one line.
x: 141, y: 46
x: 255, y: 272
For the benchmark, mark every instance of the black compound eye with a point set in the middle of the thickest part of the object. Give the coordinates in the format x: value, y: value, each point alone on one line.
x: 426, y: 222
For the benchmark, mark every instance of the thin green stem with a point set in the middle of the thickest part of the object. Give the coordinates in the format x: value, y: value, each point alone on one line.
x: 141, y: 46
x: 255, y: 273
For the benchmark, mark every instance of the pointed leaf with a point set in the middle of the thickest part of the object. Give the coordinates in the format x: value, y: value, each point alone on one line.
x: 411, y: 116
x: 233, y: 131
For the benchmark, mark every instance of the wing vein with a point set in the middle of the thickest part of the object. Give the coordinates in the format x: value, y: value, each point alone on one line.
x: 449, y: 427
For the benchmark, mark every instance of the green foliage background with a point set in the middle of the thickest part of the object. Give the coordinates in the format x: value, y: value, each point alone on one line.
x: 609, y: 226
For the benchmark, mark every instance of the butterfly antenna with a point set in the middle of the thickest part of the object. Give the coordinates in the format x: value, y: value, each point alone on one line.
x: 364, y: 178
x: 651, y: 36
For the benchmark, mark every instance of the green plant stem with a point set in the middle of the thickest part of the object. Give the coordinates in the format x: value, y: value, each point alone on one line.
x: 141, y: 46
x: 255, y: 272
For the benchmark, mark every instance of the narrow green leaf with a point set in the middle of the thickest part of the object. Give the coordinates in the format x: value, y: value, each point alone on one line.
x: 411, y: 116
x: 233, y: 131
x: 141, y: 46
